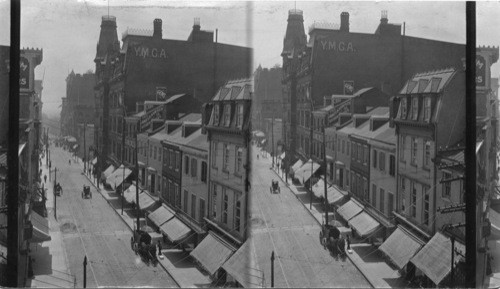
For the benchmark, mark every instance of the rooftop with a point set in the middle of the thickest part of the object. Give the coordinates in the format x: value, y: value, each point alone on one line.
x: 428, y: 82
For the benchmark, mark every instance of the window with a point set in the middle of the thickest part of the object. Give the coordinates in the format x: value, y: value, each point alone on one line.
x: 343, y: 145
x: 347, y: 148
x: 426, y: 205
x: 381, y: 161
x: 165, y: 157
x: 414, y: 149
x: 413, y: 199
x: 403, y: 193
x: 375, y: 158
x: 226, y: 205
x: 366, y: 155
x: 239, y: 160
x: 214, y: 201
x: 427, y: 108
x: 155, y: 154
x: 164, y: 192
x: 193, y: 206
x: 150, y: 151
x: 446, y: 185
x: 338, y: 144
x: 194, y: 167
x: 172, y: 159
x: 403, y: 108
x: 390, y: 203
x: 204, y: 171
x: 185, y: 203
x: 366, y: 188
x: 226, y: 158
x: 374, y: 195
x: 227, y: 115
x: 177, y: 196
x: 392, y: 165
x: 186, y: 165
x: 237, y: 212
x: 177, y: 161
x: 216, y: 114
x: 414, y: 108
x: 427, y: 154
x: 382, y: 201
x: 214, y: 154
x: 402, y: 148
x: 347, y: 178
x: 239, y: 119
x: 202, y: 210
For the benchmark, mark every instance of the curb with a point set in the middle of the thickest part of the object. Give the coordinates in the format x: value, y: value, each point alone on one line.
x: 348, y: 255
x: 131, y: 230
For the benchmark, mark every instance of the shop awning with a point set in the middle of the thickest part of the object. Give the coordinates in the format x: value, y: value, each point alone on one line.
x: 364, y: 224
x: 145, y: 201
x: 141, y: 164
x: 339, y: 163
x: 349, y: 210
x: 130, y: 194
x: 94, y: 161
x: 494, y: 218
x: 334, y: 195
x: 297, y: 165
x: 304, y: 173
x: 434, y: 259
x: 151, y: 169
x: 175, y: 230
x: 40, y: 228
x: 161, y: 215
x: 71, y: 139
x: 212, y: 252
x: 118, y: 176
x: 21, y: 148
x: 400, y: 247
x: 108, y: 171
x: 259, y: 134
x: 319, y: 189
x: 243, y: 267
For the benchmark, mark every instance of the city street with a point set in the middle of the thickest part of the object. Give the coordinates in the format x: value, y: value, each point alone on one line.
x: 90, y: 227
x: 280, y: 223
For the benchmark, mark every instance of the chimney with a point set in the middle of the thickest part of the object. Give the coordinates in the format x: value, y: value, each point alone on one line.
x: 157, y: 30
x: 344, y: 22
x: 383, y: 18
x: 196, y: 25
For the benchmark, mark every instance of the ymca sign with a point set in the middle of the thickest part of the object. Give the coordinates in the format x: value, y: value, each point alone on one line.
x: 340, y: 46
x: 147, y: 52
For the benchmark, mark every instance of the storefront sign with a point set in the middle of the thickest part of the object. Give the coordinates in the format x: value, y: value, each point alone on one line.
x: 151, y: 113
x: 24, y: 73
x: 339, y: 46
x: 146, y: 52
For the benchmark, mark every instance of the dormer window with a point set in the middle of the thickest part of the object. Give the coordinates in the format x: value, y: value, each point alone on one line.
x: 227, y: 115
x: 403, y: 108
x: 427, y: 108
x: 414, y: 108
x: 239, y: 119
x: 216, y: 114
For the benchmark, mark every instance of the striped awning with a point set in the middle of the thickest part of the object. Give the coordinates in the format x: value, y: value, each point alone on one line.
x: 175, y: 230
x: 349, y: 210
x: 40, y: 228
x: 434, y: 259
x: 212, y: 252
x: 400, y: 247
x: 161, y: 215
x: 364, y: 224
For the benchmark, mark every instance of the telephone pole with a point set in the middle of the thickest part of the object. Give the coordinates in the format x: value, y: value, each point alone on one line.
x: 84, y: 148
x: 325, y: 165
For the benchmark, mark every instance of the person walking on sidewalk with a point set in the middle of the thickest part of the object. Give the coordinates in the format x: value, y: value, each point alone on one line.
x: 159, y: 248
x: 69, y: 162
x: 45, y: 178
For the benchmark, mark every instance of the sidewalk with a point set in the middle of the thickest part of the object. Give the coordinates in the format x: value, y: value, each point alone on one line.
x: 371, y: 262
x: 50, y: 267
x: 175, y: 262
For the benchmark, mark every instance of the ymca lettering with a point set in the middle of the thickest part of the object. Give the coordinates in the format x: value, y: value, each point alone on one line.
x: 150, y: 52
x: 340, y: 46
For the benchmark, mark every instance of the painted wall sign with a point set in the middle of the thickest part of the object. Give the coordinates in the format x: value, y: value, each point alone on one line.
x: 161, y: 93
x: 151, y: 113
x: 146, y: 52
x: 24, y: 73
x: 340, y: 46
x: 480, y: 71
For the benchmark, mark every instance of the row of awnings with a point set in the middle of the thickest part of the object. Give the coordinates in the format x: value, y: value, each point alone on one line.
x: 171, y: 226
x: 40, y: 228
x: 304, y: 171
x: 357, y: 218
x: 117, y: 177
x: 214, y: 253
x: 332, y: 193
x: 433, y: 258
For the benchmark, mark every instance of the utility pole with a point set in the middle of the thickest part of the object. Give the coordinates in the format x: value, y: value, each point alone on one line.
x: 325, y: 165
x: 84, y: 148
x: 47, y: 147
x: 137, y: 182
x: 311, y: 152
x: 123, y: 154
x: 54, y: 191
x: 85, y: 272
x: 452, y: 281
x: 470, y: 145
x: 272, y: 138
x: 272, y: 269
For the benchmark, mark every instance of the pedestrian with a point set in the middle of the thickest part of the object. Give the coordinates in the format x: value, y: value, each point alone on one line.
x: 45, y: 178
x: 159, y: 248
x: 348, y: 242
x: 69, y: 162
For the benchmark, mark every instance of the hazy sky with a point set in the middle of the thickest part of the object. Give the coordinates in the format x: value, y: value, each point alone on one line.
x: 68, y: 30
